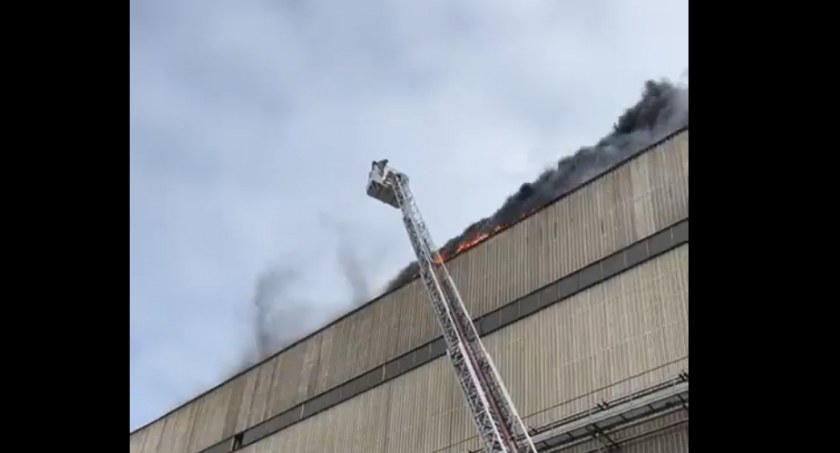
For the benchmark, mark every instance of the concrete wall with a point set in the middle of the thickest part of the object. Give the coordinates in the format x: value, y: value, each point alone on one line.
x: 618, y: 337
x: 637, y: 199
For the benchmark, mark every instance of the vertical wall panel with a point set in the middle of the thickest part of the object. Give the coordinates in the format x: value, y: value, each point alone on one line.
x: 248, y: 393
x: 411, y: 332
x: 660, y: 181
x: 367, y: 325
x: 532, y: 255
x: 262, y: 391
x: 153, y: 433
x: 209, y: 418
x: 489, y: 268
x: 176, y: 430
x: 341, y: 344
x: 136, y: 441
x: 605, y: 196
x: 389, y: 318
x: 307, y: 374
x: 330, y: 360
x: 353, y: 349
x: 284, y: 384
x: 642, y: 202
x: 423, y: 317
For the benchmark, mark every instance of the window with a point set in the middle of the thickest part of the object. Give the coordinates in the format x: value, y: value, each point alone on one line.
x: 237, y: 442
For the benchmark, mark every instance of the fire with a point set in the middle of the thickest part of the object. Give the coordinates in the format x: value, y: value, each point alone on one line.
x: 466, y: 245
x: 469, y: 243
x: 476, y: 239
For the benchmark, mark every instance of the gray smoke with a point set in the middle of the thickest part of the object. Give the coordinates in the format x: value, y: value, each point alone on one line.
x: 277, y: 320
x: 662, y: 109
x: 348, y: 259
x: 351, y: 267
x: 281, y: 317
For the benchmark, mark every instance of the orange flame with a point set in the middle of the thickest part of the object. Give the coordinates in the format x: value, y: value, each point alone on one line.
x: 476, y: 239
x: 470, y: 243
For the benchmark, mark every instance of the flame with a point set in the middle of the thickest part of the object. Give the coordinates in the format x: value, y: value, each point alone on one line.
x: 476, y: 239
x: 470, y: 243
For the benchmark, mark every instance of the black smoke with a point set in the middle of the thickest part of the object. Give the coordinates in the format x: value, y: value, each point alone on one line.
x: 662, y: 109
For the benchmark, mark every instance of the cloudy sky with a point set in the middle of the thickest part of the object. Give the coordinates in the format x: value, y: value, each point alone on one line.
x: 254, y: 122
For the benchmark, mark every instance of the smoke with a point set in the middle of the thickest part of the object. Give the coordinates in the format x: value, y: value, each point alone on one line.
x: 662, y: 109
x: 349, y: 262
x: 351, y: 267
x: 279, y: 318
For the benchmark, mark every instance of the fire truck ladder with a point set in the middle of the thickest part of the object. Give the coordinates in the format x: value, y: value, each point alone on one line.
x: 499, y: 426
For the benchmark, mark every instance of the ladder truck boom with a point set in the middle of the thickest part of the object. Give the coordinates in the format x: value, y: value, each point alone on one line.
x: 499, y: 426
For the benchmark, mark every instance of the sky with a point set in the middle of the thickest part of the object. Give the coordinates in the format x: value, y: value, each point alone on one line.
x: 253, y: 125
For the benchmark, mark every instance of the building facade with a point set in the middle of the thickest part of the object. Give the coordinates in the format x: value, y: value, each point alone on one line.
x: 583, y: 306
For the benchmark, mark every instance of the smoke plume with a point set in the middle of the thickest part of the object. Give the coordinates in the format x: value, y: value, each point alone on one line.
x: 662, y: 109
x: 277, y: 320
x: 348, y: 259
x: 351, y: 267
x: 281, y: 317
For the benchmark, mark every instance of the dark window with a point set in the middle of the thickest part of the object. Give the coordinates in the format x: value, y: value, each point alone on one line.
x: 659, y: 242
x: 590, y: 275
x: 489, y: 322
x: 613, y: 265
x: 421, y: 355
x: 330, y: 398
x: 373, y: 378
x: 529, y: 304
x: 637, y: 253
x: 407, y: 362
x: 254, y: 434
x: 567, y: 286
x: 314, y: 405
x: 392, y: 369
x: 681, y: 232
x: 438, y: 348
x: 549, y: 294
x: 290, y: 417
x: 507, y: 314
x: 349, y: 389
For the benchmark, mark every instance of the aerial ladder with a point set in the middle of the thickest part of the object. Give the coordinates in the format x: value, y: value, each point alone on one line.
x: 499, y: 426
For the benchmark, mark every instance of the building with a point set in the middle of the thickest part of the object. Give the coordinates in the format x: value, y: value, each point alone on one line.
x: 583, y: 306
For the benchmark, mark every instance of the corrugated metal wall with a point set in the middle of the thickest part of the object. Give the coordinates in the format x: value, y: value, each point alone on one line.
x: 633, y: 201
x: 613, y: 339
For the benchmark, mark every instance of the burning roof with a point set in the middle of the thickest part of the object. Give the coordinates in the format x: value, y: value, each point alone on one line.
x: 662, y: 109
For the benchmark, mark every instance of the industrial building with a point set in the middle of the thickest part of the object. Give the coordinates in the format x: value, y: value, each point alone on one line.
x: 583, y: 306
